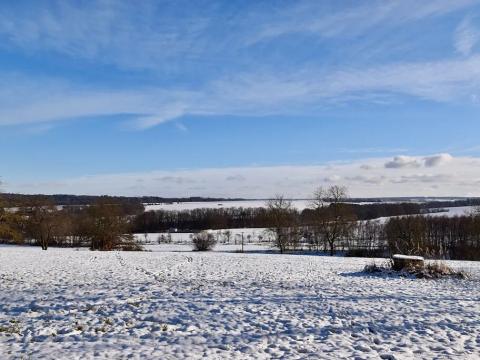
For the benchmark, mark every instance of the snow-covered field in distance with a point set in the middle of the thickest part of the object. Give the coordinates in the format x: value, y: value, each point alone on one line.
x: 455, y: 211
x: 68, y: 304
x: 299, y: 204
x: 250, y: 235
x: 448, y: 212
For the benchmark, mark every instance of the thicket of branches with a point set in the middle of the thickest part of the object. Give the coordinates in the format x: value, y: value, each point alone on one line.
x: 455, y: 238
x: 435, y: 237
x: 101, y: 226
x: 203, y: 241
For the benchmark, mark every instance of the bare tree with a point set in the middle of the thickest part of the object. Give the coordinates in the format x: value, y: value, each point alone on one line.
x: 333, y: 218
x: 41, y: 222
x: 282, y: 218
x: 227, y: 234
x: 108, y: 228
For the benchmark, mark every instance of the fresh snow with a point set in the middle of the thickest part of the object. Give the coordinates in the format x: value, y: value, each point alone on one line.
x: 455, y: 211
x: 191, y: 205
x: 408, y: 257
x: 172, y: 303
x: 249, y: 235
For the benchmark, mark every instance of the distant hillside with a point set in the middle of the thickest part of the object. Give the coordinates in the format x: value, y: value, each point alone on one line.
x: 12, y: 200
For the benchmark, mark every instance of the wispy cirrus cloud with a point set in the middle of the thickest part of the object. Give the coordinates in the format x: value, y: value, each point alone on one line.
x: 317, y: 18
x: 259, y: 94
x: 166, y: 35
x: 172, y: 37
x: 466, y: 37
x: 144, y: 34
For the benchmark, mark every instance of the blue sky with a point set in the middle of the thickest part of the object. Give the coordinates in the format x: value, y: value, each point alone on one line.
x: 240, y: 98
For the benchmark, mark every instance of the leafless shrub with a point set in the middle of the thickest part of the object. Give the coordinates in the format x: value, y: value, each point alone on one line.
x: 374, y: 268
x: 435, y: 270
x: 203, y: 241
x: 438, y: 270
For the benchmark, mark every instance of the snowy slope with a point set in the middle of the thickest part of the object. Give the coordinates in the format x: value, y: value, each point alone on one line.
x: 68, y: 304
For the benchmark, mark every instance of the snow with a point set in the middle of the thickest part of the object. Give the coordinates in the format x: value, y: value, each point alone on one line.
x: 177, y: 206
x: 454, y: 211
x: 173, y: 303
x: 408, y: 257
x: 249, y: 235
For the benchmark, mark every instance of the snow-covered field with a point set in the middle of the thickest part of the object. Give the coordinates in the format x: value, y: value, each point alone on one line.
x: 172, y: 303
x: 299, y: 204
x: 230, y: 236
x: 455, y: 211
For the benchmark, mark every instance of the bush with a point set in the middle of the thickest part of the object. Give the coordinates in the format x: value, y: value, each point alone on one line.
x: 203, y: 241
x: 373, y: 268
x: 436, y: 270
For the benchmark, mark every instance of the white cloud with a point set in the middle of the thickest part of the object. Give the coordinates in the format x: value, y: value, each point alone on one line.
x: 466, y: 37
x: 401, y: 162
x: 459, y: 176
x: 437, y: 160
x: 237, y: 178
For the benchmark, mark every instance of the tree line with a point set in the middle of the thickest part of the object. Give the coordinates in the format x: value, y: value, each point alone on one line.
x: 331, y: 224
x: 223, y: 218
x: 18, y: 200
x: 100, y: 226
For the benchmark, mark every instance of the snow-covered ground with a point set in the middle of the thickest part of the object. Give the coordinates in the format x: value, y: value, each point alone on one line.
x: 455, y: 211
x: 172, y: 303
x: 231, y: 236
x: 299, y: 204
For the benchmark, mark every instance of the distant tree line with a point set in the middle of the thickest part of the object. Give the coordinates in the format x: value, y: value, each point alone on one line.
x: 223, y: 218
x: 17, y: 200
